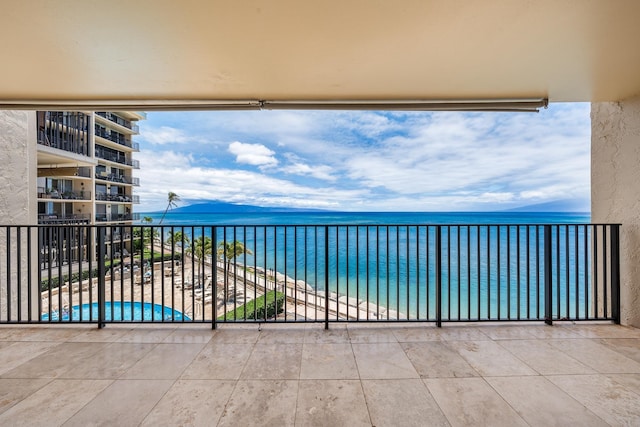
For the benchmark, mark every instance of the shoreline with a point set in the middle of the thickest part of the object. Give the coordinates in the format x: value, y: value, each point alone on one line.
x: 191, y: 299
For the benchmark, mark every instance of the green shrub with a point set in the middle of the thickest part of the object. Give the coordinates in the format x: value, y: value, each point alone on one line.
x: 264, y: 307
x: 157, y: 257
x: 55, y: 282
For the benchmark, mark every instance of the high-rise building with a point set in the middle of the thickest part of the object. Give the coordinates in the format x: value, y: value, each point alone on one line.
x: 86, y: 168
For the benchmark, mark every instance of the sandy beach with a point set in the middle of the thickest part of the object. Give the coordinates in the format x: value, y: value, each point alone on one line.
x: 178, y: 287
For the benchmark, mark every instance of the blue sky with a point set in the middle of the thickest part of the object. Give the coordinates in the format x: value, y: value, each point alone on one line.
x: 366, y: 161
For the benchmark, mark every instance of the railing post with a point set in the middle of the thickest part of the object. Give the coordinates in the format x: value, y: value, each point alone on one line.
x: 615, y: 273
x: 438, y: 276
x: 214, y: 262
x: 548, y: 293
x: 326, y: 277
x: 101, y: 251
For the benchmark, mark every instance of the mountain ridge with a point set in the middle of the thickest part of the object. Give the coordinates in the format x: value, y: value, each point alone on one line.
x: 215, y: 206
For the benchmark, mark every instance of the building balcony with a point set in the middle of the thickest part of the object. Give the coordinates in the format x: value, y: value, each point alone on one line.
x: 121, y: 179
x: 118, y: 120
x: 117, y: 217
x: 319, y: 343
x: 66, y: 131
x: 54, y: 195
x: 113, y: 136
x: 118, y: 198
x: 116, y: 158
x: 54, y: 218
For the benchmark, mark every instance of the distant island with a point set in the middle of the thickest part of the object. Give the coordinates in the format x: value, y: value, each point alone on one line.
x: 564, y: 205
x: 215, y: 206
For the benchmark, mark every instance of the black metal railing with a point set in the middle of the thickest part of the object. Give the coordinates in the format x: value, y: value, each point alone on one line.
x: 108, y: 217
x: 63, y: 218
x: 64, y: 130
x: 116, y: 157
x: 310, y: 273
x: 116, y: 119
x: 113, y: 136
x: 113, y: 197
x: 64, y: 195
x: 118, y: 178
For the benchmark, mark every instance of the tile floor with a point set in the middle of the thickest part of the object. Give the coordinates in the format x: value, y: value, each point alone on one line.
x: 369, y: 375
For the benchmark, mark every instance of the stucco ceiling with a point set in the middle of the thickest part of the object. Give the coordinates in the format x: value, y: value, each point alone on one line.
x: 160, y: 51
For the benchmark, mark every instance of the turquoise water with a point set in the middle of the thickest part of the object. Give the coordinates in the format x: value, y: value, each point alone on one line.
x: 492, y: 270
x: 355, y: 218
x: 119, y: 311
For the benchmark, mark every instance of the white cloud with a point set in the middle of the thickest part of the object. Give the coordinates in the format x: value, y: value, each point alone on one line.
x: 297, y: 166
x: 167, y: 135
x: 170, y: 171
x: 374, y: 160
x: 252, y: 154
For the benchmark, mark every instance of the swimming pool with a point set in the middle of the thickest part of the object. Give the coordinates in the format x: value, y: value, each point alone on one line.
x: 120, y: 311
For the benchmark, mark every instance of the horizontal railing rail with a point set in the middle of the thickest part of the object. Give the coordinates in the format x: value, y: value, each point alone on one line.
x: 114, y: 197
x: 309, y: 273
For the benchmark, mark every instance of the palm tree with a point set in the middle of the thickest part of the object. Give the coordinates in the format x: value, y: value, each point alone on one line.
x: 178, y: 238
x: 199, y: 249
x: 142, y: 234
x: 172, y: 198
x: 228, y: 251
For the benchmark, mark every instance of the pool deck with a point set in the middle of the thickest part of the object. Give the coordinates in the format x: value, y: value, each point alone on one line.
x: 459, y: 375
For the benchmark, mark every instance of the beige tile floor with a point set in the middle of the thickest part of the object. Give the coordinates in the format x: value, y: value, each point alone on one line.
x: 351, y: 375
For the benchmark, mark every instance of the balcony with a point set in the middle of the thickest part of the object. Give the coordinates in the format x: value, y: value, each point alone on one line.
x: 351, y: 375
x: 113, y: 198
x: 367, y: 368
x: 56, y: 218
x: 54, y: 195
x: 113, y: 136
x: 63, y: 130
x: 117, y: 178
x: 117, y: 217
x: 116, y: 119
x: 339, y: 273
x: 116, y: 158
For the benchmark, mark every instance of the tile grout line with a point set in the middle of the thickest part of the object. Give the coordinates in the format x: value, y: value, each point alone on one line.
x: 237, y: 380
x: 364, y: 395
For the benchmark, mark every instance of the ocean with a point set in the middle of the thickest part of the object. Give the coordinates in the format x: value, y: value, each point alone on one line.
x: 321, y: 218
x: 490, y: 261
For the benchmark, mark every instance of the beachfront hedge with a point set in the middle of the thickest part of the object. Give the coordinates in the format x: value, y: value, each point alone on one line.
x: 264, y: 307
x: 55, y: 282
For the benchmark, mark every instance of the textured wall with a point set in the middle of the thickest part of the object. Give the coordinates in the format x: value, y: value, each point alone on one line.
x: 18, y: 204
x: 615, y: 189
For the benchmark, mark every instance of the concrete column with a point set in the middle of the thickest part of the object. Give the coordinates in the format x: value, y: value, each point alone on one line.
x: 18, y: 207
x: 615, y: 189
x: 19, y: 171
